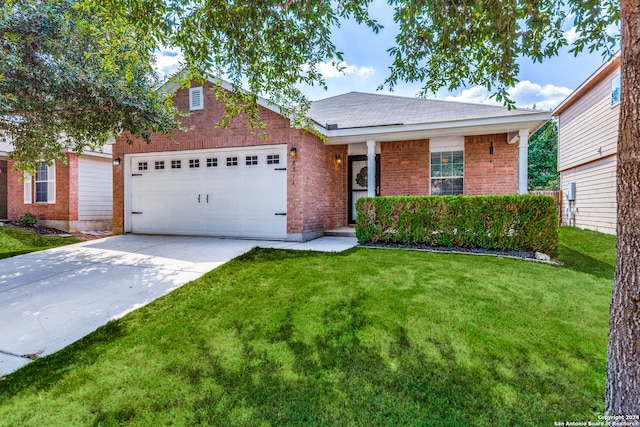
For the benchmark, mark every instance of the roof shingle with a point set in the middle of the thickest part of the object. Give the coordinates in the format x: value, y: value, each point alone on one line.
x: 357, y: 110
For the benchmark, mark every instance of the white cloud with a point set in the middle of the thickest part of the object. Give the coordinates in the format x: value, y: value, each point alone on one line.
x: 168, y: 61
x: 476, y: 95
x: 547, y: 97
x: 332, y: 70
x: 525, y: 94
x: 571, y: 35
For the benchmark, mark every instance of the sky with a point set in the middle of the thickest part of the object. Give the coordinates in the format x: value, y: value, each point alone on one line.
x: 366, y: 61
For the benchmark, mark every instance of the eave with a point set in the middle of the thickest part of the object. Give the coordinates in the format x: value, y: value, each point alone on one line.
x: 504, y: 124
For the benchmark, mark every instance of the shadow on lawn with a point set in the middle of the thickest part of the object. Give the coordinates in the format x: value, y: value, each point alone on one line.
x: 580, y: 262
x: 47, y: 371
x: 335, y: 379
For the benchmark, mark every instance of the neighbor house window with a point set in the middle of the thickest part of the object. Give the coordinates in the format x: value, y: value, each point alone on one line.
x: 41, y: 188
x: 615, y: 90
x: 447, y: 173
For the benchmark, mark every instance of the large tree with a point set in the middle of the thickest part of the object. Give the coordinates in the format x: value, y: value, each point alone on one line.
x: 543, y: 158
x: 58, y: 90
x: 274, y: 45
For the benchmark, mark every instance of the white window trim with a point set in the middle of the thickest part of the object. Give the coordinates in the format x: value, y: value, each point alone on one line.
x: 28, y: 189
x: 196, y: 94
x: 619, y: 85
x: 432, y: 178
x: 30, y: 185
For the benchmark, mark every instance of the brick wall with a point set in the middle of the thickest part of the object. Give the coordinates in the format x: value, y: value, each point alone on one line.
x: 66, y: 206
x: 313, y: 201
x: 404, y: 168
x: 486, y: 173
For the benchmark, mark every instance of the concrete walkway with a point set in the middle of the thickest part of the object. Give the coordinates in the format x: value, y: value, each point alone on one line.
x: 52, y: 298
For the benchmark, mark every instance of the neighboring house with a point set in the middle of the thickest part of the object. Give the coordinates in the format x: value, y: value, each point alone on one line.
x: 76, y: 195
x: 294, y: 186
x: 587, y: 147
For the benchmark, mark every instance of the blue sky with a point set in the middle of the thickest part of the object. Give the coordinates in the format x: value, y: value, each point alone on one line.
x: 367, y: 61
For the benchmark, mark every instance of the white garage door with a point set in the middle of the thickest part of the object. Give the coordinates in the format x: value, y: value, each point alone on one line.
x: 222, y: 192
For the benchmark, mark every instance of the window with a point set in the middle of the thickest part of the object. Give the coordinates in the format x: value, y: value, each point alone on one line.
x: 176, y: 164
x: 232, y: 161
x: 252, y: 160
x: 196, y: 100
x: 142, y: 166
x: 41, y: 187
x: 194, y: 163
x: 159, y: 165
x: 447, y: 173
x: 273, y: 159
x: 212, y: 162
x: 615, y: 90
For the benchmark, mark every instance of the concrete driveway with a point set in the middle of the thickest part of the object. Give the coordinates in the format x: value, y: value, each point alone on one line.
x: 52, y: 298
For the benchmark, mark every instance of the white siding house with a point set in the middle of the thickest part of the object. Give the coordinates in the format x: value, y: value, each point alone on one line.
x: 95, y: 192
x: 587, y: 146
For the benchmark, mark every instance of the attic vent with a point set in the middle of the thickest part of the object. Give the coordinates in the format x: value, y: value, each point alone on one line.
x: 332, y: 126
x: 196, y: 101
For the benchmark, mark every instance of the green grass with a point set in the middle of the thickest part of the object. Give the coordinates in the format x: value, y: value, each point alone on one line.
x: 17, y: 241
x: 367, y: 337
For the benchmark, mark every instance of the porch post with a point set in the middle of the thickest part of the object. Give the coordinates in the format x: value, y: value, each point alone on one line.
x: 371, y: 168
x: 523, y: 161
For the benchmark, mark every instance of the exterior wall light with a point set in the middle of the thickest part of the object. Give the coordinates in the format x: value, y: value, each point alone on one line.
x: 337, y: 160
x: 491, y: 148
x: 116, y: 161
x: 293, y: 152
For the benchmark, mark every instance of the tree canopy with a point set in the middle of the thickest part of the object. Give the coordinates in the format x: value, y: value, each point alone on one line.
x: 56, y: 93
x: 77, y: 71
x: 543, y: 158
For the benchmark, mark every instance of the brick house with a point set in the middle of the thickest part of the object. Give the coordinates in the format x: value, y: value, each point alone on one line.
x: 587, y: 150
x: 294, y: 186
x: 75, y: 195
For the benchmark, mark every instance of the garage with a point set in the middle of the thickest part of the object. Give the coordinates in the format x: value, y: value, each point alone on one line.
x: 231, y: 192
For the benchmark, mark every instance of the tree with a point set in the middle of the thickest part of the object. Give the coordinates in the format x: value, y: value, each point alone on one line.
x: 543, y: 158
x: 273, y: 45
x: 55, y: 91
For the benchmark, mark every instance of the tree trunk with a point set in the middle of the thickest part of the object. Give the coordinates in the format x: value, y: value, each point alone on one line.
x: 623, y: 358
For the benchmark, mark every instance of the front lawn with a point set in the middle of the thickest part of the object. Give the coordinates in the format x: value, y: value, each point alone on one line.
x: 368, y: 337
x: 16, y: 241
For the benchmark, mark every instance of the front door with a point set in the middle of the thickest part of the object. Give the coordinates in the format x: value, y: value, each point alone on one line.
x: 358, y: 177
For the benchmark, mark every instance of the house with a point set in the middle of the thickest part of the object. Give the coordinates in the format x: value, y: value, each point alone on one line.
x: 587, y: 147
x: 295, y: 186
x: 75, y: 195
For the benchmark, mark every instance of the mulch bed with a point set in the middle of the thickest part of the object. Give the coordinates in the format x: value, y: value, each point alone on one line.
x: 40, y: 229
x: 515, y: 254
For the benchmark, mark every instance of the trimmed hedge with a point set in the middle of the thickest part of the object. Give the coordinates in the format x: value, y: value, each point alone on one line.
x: 504, y: 222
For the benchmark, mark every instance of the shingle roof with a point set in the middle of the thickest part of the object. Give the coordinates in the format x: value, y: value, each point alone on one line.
x: 357, y: 109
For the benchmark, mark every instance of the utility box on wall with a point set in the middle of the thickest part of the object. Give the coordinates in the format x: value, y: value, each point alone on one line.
x: 571, y: 192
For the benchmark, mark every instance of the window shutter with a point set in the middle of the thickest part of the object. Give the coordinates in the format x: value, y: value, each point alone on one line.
x: 196, y: 100
x: 28, y: 192
x: 51, y: 184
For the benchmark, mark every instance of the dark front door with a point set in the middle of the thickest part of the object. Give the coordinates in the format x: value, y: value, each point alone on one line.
x: 3, y: 189
x: 358, y: 180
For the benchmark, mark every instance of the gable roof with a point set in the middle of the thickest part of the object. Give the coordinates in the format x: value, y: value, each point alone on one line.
x: 605, y: 70
x: 357, y: 109
x: 344, y: 117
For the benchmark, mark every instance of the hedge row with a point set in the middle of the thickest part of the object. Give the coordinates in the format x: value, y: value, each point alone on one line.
x: 503, y: 222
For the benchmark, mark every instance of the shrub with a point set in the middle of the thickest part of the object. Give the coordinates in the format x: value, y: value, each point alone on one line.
x: 502, y: 222
x: 27, y: 219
